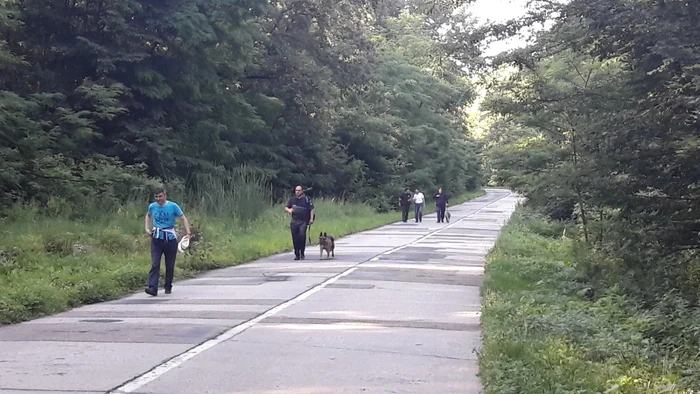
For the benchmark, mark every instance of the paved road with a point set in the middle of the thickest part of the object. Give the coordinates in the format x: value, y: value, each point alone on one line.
x: 396, y: 311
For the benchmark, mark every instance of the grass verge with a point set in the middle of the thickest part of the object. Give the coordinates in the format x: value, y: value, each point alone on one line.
x: 50, y: 264
x: 543, y: 333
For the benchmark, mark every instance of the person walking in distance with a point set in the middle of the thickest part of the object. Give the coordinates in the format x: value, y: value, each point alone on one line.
x: 301, y: 208
x: 419, y: 200
x: 160, y: 225
x: 405, y: 202
x: 441, y: 202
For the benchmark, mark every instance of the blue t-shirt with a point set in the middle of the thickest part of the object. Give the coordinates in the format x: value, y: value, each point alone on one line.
x: 164, y: 217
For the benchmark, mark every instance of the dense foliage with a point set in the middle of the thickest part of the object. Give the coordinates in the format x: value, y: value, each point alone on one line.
x: 351, y: 98
x: 597, y: 124
x: 544, y: 334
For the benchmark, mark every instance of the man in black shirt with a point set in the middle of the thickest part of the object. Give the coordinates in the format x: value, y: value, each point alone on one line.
x: 302, y: 210
x: 441, y: 201
x: 405, y: 201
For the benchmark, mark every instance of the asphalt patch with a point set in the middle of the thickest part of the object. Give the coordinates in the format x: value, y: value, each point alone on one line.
x: 451, y: 278
x: 100, y: 321
x: 355, y: 286
x: 203, y: 301
x: 421, y: 324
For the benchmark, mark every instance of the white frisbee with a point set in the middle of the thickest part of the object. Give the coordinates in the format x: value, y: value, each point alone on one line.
x: 183, y: 244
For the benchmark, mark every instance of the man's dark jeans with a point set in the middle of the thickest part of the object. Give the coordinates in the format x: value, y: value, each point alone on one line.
x: 419, y: 212
x: 441, y: 213
x: 298, y: 228
x: 404, y: 212
x: 160, y: 247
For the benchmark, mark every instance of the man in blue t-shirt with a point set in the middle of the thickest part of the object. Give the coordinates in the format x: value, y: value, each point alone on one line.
x: 160, y: 225
x: 302, y: 210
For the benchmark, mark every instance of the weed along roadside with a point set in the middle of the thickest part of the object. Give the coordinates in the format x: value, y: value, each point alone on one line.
x: 49, y: 264
x: 546, y: 330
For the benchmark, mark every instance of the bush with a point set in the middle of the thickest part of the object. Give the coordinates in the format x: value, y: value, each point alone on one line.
x: 545, y: 333
x: 242, y: 194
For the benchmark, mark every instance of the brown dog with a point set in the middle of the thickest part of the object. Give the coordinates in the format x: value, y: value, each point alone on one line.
x: 326, y: 242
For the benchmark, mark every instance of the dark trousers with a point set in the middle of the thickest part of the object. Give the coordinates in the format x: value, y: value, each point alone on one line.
x: 160, y: 247
x: 298, y: 228
x: 404, y: 212
x: 441, y: 213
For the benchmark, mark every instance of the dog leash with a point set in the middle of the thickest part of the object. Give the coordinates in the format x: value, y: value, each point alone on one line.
x: 308, y: 232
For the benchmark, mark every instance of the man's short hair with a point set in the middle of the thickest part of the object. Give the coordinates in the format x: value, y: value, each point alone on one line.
x: 158, y: 190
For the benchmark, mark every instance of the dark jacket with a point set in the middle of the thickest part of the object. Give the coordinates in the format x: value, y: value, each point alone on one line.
x: 405, y: 199
x: 441, y: 199
x: 301, y: 208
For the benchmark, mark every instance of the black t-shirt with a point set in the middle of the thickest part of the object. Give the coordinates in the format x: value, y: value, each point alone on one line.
x: 441, y: 198
x: 406, y: 198
x: 301, y: 208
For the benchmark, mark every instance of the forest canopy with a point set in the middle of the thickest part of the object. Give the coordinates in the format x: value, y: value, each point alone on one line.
x: 352, y: 98
x: 597, y: 121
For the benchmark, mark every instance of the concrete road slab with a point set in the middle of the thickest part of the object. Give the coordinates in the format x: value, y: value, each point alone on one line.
x: 439, y: 304
x: 266, y: 368
x: 11, y: 391
x: 112, y: 331
x: 70, y: 366
x: 197, y: 301
x: 369, y: 337
x: 166, y: 307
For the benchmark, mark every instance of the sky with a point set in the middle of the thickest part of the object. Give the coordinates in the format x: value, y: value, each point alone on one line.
x: 498, y: 11
x: 495, y: 11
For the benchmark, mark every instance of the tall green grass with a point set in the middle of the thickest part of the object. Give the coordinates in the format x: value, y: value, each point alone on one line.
x: 232, y: 218
x: 242, y: 194
x: 544, y: 333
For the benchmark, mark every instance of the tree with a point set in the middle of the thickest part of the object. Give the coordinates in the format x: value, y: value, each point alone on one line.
x: 609, y: 94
